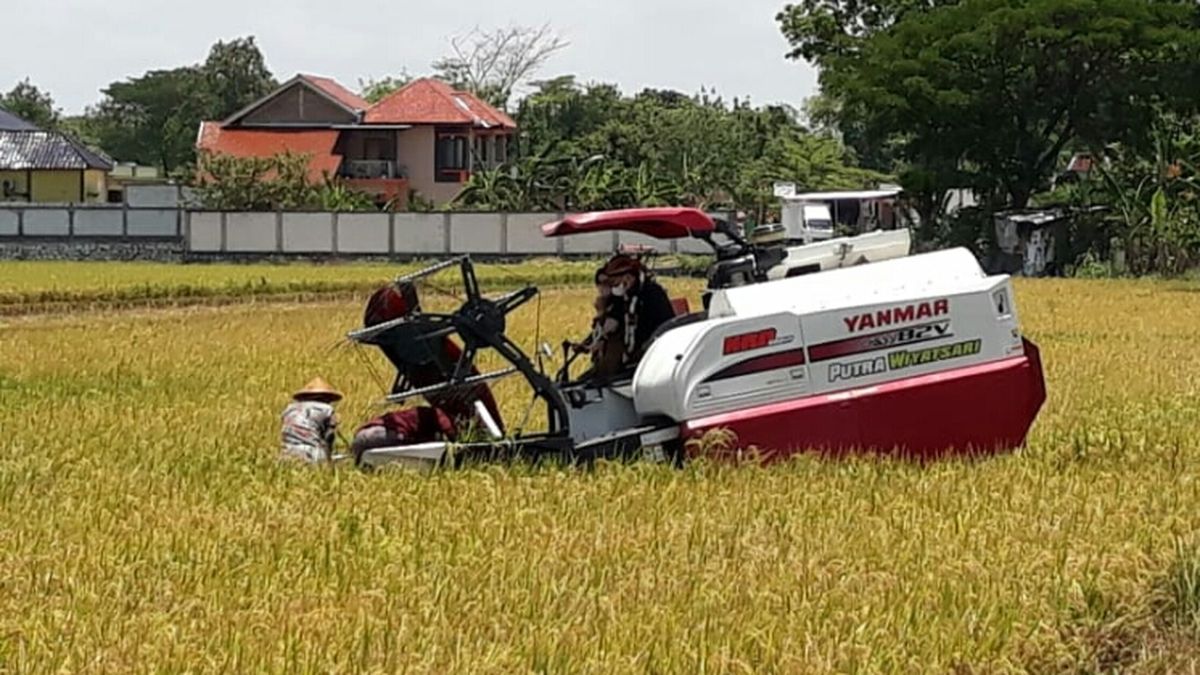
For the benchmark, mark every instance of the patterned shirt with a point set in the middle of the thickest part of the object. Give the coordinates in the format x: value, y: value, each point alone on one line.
x: 308, y: 428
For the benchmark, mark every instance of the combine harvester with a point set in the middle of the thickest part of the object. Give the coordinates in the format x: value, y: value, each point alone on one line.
x: 919, y: 356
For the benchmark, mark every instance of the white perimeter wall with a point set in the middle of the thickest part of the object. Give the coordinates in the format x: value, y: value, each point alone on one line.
x: 391, y: 234
x: 92, y: 220
x: 326, y: 233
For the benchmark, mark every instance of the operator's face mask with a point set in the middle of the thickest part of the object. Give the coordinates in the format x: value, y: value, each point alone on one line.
x: 621, y: 285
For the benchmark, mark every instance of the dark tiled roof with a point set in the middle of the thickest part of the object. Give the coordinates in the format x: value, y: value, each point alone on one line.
x: 46, y: 150
x: 10, y: 122
x: 335, y: 90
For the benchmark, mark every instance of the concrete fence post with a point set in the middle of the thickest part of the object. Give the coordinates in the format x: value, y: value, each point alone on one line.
x: 71, y: 220
x: 334, y: 225
x: 125, y: 219
x: 20, y: 222
x: 186, y: 233
x: 504, y: 233
x: 559, y: 245
x: 278, y: 230
x: 391, y: 234
x: 179, y: 216
x: 224, y: 232
x: 447, y: 225
x: 616, y: 241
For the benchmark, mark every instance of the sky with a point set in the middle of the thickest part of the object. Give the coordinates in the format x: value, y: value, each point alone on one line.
x: 73, y: 48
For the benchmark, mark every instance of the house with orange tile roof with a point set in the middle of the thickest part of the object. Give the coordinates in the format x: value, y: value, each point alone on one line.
x: 426, y: 137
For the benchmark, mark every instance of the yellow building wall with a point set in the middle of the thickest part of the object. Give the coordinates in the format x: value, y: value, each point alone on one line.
x: 55, y: 186
x: 59, y: 187
x: 19, y: 187
x: 95, y: 184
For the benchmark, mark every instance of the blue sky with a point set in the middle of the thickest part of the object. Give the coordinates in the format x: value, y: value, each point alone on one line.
x: 75, y: 47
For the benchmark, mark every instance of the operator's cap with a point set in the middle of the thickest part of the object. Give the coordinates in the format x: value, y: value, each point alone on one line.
x: 622, y: 264
x: 318, y: 389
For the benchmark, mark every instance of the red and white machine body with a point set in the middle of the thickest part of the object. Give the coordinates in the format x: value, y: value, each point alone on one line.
x: 918, y: 355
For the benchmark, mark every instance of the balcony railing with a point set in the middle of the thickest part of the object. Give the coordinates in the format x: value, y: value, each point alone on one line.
x: 371, y: 168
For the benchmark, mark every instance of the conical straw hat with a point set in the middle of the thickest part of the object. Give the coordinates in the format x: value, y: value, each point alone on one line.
x: 319, y: 389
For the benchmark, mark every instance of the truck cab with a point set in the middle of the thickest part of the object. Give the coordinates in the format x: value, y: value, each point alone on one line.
x: 805, y: 222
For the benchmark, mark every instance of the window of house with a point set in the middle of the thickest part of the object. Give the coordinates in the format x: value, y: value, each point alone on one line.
x: 450, y: 157
x: 501, y: 149
x: 481, y: 149
x: 379, y: 146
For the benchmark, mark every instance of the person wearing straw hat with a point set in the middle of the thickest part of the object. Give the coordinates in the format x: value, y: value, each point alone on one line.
x: 310, y: 423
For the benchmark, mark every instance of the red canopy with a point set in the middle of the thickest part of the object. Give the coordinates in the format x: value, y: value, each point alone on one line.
x: 661, y: 223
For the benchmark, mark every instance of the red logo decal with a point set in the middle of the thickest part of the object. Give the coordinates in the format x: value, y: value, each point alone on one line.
x: 749, y: 341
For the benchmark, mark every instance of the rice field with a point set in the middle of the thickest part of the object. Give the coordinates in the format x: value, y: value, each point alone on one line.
x: 28, y: 286
x: 149, y: 528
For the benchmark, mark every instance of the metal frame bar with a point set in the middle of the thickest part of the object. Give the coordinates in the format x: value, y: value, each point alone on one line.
x: 465, y: 382
x: 431, y: 270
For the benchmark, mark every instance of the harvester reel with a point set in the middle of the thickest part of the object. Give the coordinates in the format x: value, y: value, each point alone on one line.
x: 480, y: 323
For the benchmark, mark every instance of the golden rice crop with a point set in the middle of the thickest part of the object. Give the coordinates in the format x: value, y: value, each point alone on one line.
x: 25, y: 285
x: 148, y: 527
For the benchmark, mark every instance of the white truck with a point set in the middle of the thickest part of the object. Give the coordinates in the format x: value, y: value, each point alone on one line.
x: 805, y: 222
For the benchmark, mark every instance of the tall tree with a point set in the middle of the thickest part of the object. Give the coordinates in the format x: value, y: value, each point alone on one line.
x: 236, y: 75
x: 492, y: 64
x: 819, y: 30
x: 560, y: 114
x: 31, y: 104
x: 152, y: 119
x: 998, y: 88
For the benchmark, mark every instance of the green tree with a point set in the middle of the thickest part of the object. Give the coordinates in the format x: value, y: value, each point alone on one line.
x: 281, y: 181
x: 31, y: 104
x: 820, y: 30
x: 235, y: 75
x: 560, y: 115
x: 591, y: 147
x: 375, y: 91
x: 992, y: 91
x: 153, y: 118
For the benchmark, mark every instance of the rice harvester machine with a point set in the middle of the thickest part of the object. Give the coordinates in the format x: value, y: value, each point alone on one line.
x: 920, y: 356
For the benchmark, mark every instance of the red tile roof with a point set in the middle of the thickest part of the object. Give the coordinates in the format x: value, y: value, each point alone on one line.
x: 1080, y: 163
x: 337, y: 92
x: 429, y: 101
x: 318, y: 144
x: 495, y: 116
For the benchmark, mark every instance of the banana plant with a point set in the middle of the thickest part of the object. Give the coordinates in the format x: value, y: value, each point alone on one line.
x: 1155, y: 194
